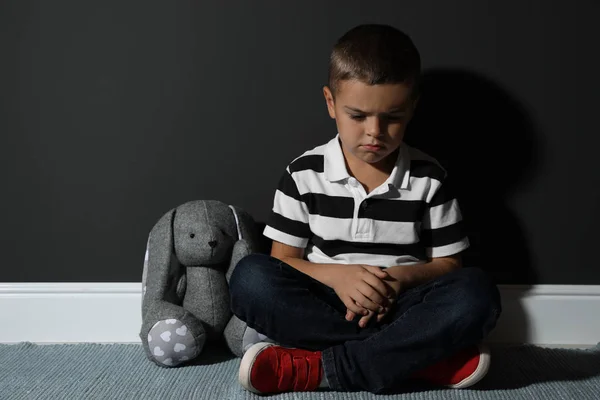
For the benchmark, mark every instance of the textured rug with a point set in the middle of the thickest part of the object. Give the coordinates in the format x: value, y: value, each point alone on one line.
x: 119, y: 371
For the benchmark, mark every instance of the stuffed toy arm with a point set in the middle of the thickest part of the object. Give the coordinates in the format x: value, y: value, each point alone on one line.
x: 247, y: 243
x: 241, y: 249
x: 236, y: 329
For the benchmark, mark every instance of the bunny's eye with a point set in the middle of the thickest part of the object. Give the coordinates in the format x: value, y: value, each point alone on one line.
x: 192, y: 235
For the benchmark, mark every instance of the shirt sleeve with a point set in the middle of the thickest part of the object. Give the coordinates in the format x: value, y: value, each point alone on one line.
x: 442, y: 229
x: 288, y: 221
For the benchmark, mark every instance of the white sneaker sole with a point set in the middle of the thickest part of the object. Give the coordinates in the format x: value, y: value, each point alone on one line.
x: 481, y: 370
x: 246, y: 365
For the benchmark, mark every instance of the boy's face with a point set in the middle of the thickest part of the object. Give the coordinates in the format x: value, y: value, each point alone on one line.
x: 371, y: 119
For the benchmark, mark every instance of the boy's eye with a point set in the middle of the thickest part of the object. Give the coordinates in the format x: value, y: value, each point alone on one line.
x: 359, y: 117
x: 395, y: 117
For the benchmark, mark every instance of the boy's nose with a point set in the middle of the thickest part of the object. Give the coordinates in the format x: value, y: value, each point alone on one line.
x: 374, y: 127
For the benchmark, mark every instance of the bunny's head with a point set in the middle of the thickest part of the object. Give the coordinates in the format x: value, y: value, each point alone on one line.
x: 204, y: 232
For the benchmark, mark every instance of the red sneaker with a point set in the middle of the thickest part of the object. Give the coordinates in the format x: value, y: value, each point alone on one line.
x: 464, y: 369
x: 268, y: 368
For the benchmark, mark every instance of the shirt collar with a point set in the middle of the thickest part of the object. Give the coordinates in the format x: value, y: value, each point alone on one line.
x: 335, y: 165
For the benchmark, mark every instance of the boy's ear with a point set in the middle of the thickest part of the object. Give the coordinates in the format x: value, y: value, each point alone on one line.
x: 329, y: 101
x: 416, y: 101
x: 414, y: 104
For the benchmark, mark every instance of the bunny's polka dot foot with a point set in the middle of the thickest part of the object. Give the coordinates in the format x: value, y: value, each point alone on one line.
x: 171, y: 343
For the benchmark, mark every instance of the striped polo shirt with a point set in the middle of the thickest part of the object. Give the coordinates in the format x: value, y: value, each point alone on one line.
x: 410, y: 218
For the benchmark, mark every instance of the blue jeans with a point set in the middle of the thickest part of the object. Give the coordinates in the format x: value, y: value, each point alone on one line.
x: 427, y: 323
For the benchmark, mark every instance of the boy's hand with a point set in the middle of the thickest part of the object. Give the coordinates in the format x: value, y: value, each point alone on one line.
x: 361, y: 288
x: 394, y: 287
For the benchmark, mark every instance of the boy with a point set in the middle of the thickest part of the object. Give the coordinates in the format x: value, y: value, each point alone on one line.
x: 364, y: 286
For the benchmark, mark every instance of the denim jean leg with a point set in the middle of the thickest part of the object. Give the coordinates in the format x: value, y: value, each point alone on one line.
x: 430, y: 322
x: 288, y: 306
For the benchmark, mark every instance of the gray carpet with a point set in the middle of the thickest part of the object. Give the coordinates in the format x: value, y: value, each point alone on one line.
x: 95, y: 371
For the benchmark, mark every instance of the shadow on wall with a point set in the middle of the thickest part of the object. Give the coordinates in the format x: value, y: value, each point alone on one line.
x: 487, y: 143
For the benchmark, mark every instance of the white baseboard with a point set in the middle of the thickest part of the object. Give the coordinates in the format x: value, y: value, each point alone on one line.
x: 110, y: 313
x: 549, y: 315
x: 70, y: 312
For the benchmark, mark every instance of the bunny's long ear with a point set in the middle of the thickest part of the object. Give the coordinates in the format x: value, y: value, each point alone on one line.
x: 162, y: 264
x: 240, y: 236
x: 246, y: 228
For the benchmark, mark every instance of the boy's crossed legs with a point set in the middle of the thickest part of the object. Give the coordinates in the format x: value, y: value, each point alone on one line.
x: 427, y: 324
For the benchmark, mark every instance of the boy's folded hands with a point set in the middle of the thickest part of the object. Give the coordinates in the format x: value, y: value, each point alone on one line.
x: 365, y: 290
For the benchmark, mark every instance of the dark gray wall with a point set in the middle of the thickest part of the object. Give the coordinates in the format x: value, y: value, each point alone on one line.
x: 114, y: 112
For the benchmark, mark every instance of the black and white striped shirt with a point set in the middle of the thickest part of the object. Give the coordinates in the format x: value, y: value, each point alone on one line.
x: 409, y: 219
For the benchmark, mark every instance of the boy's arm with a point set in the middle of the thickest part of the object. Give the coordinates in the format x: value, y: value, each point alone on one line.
x: 408, y: 276
x: 294, y: 256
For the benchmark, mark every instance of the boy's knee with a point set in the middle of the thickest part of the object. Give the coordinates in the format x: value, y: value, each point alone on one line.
x: 249, y: 271
x: 251, y: 278
x: 477, y: 294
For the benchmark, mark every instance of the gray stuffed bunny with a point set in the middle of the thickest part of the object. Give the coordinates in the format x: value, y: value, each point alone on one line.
x: 191, y: 253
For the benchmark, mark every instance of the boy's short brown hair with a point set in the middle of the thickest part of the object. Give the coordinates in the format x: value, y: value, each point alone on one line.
x: 375, y: 54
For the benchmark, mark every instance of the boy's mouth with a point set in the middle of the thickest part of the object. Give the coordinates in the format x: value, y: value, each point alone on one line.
x: 372, y: 147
